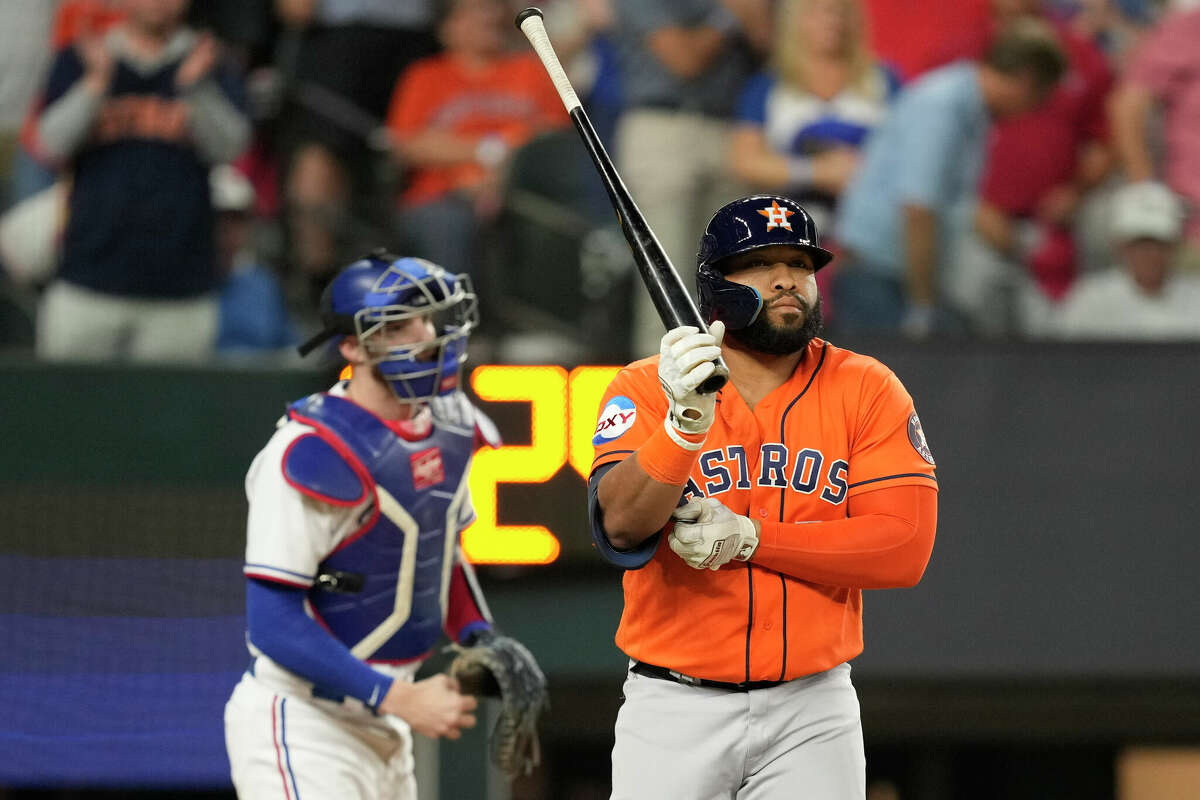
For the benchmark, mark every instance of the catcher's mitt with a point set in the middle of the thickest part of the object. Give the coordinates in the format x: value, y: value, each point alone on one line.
x: 493, y: 665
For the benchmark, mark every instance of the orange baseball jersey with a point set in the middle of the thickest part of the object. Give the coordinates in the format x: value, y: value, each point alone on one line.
x: 841, y: 425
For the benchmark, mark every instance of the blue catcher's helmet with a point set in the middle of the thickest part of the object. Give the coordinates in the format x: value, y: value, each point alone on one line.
x: 381, y: 289
x: 761, y: 220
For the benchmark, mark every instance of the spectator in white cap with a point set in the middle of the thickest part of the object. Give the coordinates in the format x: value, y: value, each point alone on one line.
x: 254, y: 321
x: 1142, y: 298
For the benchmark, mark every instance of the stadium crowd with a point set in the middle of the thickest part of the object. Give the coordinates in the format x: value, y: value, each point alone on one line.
x: 179, y: 181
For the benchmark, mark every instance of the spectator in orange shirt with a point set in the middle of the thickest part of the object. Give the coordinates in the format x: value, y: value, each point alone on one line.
x: 456, y: 117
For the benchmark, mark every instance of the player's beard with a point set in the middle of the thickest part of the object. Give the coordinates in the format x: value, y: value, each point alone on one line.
x: 777, y: 340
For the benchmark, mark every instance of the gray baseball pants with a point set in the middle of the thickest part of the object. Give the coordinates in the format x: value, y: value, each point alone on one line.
x: 799, y: 740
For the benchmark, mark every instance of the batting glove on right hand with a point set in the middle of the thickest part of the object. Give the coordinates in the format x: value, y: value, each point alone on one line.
x: 707, y: 535
x: 685, y: 362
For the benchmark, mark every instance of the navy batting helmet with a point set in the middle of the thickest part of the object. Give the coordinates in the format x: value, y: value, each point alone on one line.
x: 761, y: 220
x: 382, y: 288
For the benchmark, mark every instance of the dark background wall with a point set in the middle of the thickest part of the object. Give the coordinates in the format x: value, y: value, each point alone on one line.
x: 1056, y: 622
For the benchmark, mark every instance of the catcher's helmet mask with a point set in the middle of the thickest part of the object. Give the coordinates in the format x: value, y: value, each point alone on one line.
x: 746, y: 224
x: 380, y: 289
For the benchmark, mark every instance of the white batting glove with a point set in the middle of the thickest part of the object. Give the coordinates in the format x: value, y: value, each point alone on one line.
x: 685, y: 362
x: 707, y: 535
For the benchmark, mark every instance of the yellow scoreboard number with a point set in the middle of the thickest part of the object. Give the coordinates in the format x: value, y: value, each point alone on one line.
x: 563, y: 408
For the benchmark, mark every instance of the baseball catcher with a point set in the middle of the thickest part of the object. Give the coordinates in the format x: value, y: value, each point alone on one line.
x: 493, y: 665
x: 354, y: 570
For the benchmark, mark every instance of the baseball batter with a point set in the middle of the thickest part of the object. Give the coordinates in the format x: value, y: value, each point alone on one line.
x: 352, y: 560
x: 805, y: 480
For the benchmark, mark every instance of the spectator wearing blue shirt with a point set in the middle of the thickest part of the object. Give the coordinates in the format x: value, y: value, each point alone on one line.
x: 254, y: 320
x: 138, y: 116
x: 914, y: 192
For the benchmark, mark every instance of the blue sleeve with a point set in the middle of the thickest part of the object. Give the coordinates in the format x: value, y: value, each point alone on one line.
x: 625, y: 559
x: 752, y: 103
x: 931, y: 144
x: 65, y: 72
x: 277, y: 626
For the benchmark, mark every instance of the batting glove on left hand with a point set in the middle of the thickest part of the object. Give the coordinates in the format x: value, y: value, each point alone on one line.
x: 707, y: 535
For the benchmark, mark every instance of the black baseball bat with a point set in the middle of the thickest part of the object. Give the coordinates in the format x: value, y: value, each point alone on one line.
x: 674, y: 305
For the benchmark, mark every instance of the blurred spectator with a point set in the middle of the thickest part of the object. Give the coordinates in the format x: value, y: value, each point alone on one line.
x: 911, y: 198
x: 24, y: 55
x: 138, y: 115
x: 1040, y: 168
x: 683, y: 63
x: 1140, y: 298
x: 347, y: 55
x: 800, y: 124
x: 254, y: 317
x: 1164, y: 74
x: 455, y: 118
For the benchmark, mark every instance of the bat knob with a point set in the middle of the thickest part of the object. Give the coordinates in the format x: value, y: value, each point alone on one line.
x: 715, y: 381
x: 526, y: 14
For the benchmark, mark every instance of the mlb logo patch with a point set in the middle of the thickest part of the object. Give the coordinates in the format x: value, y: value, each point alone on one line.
x: 617, y: 417
x: 427, y: 469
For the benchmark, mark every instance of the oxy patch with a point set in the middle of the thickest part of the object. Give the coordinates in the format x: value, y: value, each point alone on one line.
x: 617, y: 417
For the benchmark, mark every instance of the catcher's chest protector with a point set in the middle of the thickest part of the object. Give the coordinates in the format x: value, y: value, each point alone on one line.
x: 404, y: 549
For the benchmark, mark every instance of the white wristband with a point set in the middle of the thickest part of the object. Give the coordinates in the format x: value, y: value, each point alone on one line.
x: 679, y: 440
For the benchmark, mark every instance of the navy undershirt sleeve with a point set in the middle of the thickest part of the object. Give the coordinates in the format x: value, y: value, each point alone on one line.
x: 278, y: 627
x: 636, y: 558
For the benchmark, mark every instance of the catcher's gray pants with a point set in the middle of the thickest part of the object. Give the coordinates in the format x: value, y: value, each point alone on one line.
x: 801, y: 739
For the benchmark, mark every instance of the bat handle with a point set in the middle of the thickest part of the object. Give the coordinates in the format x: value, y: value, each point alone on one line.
x: 718, y: 379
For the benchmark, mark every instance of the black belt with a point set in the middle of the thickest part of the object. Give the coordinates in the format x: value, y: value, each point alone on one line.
x: 662, y: 673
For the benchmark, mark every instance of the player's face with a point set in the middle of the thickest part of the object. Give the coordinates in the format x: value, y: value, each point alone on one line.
x: 413, y: 330
x: 785, y: 279
x: 396, y: 333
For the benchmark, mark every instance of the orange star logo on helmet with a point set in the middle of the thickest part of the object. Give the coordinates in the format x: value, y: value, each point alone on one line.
x: 777, y: 217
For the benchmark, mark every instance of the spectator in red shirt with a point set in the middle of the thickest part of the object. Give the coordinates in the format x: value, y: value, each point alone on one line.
x: 1039, y: 170
x: 455, y: 118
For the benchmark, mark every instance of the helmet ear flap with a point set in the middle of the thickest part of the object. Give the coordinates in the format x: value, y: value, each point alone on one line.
x: 735, y: 304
